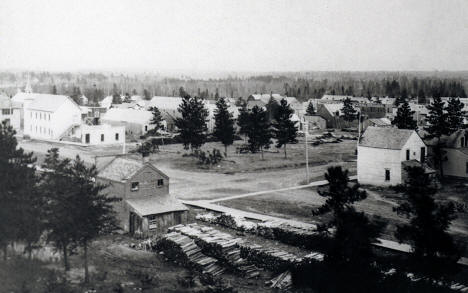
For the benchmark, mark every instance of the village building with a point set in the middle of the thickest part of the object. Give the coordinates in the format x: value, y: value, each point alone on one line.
x: 341, y: 98
x: 383, y: 154
x: 333, y: 115
x: 106, y: 102
x: 10, y: 112
x: 455, y: 149
x: 136, y: 122
x: 83, y: 100
x: 103, y: 134
x: 376, y: 122
x: 313, y: 122
x: 51, y: 117
x: 146, y: 206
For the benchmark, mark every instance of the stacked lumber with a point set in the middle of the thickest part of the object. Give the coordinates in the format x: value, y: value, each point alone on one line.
x: 222, y: 246
x: 304, y: 236
x: 283, y: 281
x: 269, y: 258
x: 183, y: 249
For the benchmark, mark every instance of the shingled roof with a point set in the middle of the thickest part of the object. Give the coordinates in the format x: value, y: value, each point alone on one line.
x: 120, y: 169
x: 157, y: 204
x: 385, y: 138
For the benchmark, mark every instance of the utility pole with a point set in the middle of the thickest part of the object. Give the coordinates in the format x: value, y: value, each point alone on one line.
x: 306, y: 128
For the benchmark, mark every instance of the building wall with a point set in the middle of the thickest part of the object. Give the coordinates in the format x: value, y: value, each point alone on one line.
x: 164, y: 221
x: 51, y: 125
x: 131, y: 129
x: 456, y: 163
x: 148, y: 179
x: 372, y: 163
x: 13, y: 115
x: 117, y: 189
x: 414, y: 144
x: 315, y: 121
x: 95, y: 132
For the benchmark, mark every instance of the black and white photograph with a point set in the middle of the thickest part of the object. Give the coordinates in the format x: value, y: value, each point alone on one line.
x: 233, y: 146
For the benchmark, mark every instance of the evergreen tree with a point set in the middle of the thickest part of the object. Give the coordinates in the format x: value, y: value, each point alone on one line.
x: 192, y: 125
x: 271, y: 108
x: 310, y: 109
x: 421, y: 97
x: 258, y: 130
x: 348, y: 110
x: 116, y: 99
x: 404, y: 118
x: 156, y: 120
x: 17, y: 192
x: 437, y: 127
x: 454, y: 114
x: 224, y: 124
x: 434, y: 251
x: 284, y: 130
x: 146, y: 95
x: 92, y: 209
x: 127, y: 98
x: 243, y: 119
x: 54, y: 90
x: 354, y: 234
x: 56, y: 188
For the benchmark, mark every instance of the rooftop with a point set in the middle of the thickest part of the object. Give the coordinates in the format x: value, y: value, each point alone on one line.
x: 128, y: 115
x: 385, y: 138
x: 121, y: 169
x: 157, y: 204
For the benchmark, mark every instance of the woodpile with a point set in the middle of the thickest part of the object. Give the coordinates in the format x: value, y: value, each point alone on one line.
x: 283, y: 281
x: 184, y: 250
x: 302, y: 236
x: 222, y: 246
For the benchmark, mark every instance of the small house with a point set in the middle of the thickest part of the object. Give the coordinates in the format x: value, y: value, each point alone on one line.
x: 136, y: 122
x: 383, y: 154
x: 146, y: 206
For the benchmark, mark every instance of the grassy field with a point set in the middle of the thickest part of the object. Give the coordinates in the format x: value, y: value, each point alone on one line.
x: 298, y: 205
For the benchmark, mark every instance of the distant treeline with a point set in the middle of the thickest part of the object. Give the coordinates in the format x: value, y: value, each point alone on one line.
x: 301, y: 85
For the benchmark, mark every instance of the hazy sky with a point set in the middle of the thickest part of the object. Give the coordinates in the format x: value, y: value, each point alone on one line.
x: 234, y: 35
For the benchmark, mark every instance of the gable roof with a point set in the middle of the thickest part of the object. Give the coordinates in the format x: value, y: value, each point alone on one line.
x: 157, y: 204
x: 122, y: 169
x: 128, y: 115
x: 448, y: 141
x: 385, y: 138
x: 165, y: 103
x: 49, y: 103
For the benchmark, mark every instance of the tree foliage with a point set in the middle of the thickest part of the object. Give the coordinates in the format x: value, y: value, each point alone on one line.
x: 258, y: 130
x: 434, y: 250
x: 284, y: 130
x: 310, y: 109
x: 404, y: 118
x: 454, y: 114
x: 192, y: 125
x: 156, y: 120
x: 349, y: 113
x: 224, y: 124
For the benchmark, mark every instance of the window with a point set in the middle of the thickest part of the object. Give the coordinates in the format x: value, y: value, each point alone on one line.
x: 49, y: 117
x: 116, y: 136
x: 152, y: 222
x: 6, y: 111
x: 407, y: 155
x: 36, y: 115
x: 135, y: 186
x: 40, y: 116
x: 387, y: 175
x: 160, y: 182
x: 146, y: 127
x: 102, y: 137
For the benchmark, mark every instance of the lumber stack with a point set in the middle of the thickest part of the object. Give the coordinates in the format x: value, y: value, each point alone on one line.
x: 283, y: 281
x: 183, y: 249
x: 222, y: 246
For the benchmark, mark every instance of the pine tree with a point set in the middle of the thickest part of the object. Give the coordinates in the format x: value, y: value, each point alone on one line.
x: 454, y: 114
x: 146, y: 95
x: 243, y: 119
x: 271, y: 108
x: 56, y: 188
x: 224, y: 124
x: 258, y: 130
x: 17, y: 192
x: 92, y: 209
x: 310, y: 109
x: 437, y: 127
x: 404, y: 118
x: 284, y: 130
x: 351, y: 243
x: 434, y: 251
x: 192, y: 125
x: 54, y: 90
x: 348, y: 110
x: 156, y: 120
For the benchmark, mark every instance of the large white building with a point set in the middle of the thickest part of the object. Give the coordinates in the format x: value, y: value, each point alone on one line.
x: 384, y: 152
x: 50, y: 116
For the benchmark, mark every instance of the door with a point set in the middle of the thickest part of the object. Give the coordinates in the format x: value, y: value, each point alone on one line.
x: 423, y: 155
x: 131, y: 223
x: 87, y: 138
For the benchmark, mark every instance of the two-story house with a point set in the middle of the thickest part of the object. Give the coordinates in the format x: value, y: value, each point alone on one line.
x: 146, y: 205
x: 455, y: 147
x: 383, y: 154
x: 51, y: 117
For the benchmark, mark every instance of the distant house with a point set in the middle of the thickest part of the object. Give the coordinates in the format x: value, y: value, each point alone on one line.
x: 10, y: 111
x: 106, y: 102
x: 383, y: 154
x: 253, y: 103
x: 341, y: 98
x: 333, y: 115
x: 51, y: 116
x: 313, y: 122
x: 103, y: 134
x: 84, y: 100
x: 136, y: 122
x: 376, y: 122
x: 455, y: 149
x: 146, y: 207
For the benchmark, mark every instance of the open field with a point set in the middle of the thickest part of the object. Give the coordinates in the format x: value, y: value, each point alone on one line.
x: 298, y: 205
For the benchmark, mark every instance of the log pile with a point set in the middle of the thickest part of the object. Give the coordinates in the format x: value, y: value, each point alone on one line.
x: 302, y: 236
x: 222, y: 246
x: 283, y: 281
x: 183, y: 249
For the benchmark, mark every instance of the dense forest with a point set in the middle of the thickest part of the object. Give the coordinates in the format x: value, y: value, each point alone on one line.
x: 303, y: 85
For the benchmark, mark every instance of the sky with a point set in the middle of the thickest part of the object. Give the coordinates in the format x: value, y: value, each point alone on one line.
x: 237, y: 35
